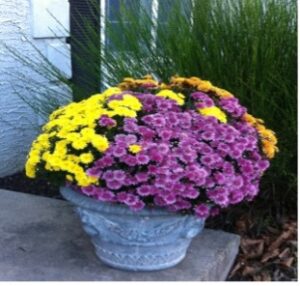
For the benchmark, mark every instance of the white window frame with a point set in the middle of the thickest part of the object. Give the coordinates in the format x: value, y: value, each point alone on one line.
x: 154, y: 14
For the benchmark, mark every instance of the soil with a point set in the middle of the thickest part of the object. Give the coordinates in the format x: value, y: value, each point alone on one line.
x: 20, y: 183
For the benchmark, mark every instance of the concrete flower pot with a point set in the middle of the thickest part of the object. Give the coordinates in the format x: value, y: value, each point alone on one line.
x: 151, y: 239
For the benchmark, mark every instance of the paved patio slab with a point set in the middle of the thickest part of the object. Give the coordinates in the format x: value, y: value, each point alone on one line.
x: 41, y: 239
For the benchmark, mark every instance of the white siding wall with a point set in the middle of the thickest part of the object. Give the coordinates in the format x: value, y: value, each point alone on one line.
x: 18, y: 122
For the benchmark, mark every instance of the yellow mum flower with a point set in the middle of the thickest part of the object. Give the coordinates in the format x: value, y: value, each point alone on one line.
x: 111, y: 91
x: 86, y: 158
x: 100, y: 143
x: 132, y: 102
x: 48, y: 167
x: 73, y: 158
x: 30, y: 169
x: 79, y: 144
x: 87, y: 133
x: 178, y: 97
x: 215, y: 112
x: 124, y: 111
x: 134, y: 148
x: 34, y: 157
x: 129, y: 102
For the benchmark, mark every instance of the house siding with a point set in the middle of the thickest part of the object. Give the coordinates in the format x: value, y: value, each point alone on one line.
x: 19, y: 124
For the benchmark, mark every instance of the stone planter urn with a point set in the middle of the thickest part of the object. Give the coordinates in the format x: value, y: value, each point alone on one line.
x: 150, y: 239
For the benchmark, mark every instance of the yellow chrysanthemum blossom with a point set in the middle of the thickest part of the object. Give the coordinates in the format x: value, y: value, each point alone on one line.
x: 134, y: 148
x: 128, y: 102
x: 86, y: 158
x: 215, y: 112
x: 110, y: 91
x: 178, y: 97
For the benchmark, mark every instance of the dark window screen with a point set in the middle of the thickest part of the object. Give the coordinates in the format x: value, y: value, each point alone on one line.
x: 85, y: 47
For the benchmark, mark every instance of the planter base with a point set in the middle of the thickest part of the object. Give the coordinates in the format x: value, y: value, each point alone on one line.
x: 42, y: 240
x: 151, y: 239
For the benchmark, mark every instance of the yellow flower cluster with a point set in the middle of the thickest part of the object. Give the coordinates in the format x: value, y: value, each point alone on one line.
x: 69, y: 141
x: 178, y: 97
x: 126, y: 107
x: 267, y: 136
x: 215, y: 112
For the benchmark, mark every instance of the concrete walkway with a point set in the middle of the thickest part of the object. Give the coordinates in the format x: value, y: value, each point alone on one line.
x: 41, y: 239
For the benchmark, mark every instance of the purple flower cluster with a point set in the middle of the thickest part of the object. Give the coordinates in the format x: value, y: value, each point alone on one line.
x: 187, y: 162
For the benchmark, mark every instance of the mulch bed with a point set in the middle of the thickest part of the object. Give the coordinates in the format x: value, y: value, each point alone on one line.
x: 270, y: 255
x: 20, y: 183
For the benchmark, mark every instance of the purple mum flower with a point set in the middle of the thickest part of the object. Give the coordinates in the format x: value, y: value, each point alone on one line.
x: 201, y: 210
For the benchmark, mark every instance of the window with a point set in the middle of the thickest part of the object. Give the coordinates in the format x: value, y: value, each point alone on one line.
x: 109, y: 12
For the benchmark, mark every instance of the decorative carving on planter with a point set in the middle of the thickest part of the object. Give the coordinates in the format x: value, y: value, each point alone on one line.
x: 95, y: 224
x: 150, y: 239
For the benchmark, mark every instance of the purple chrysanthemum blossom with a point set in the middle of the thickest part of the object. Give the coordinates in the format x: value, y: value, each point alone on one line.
x: 129, y: 160
x: 89, y: 190
x: 169, y: 198
x: 237, y: 182
x: 105, y: 196
x: 104, y: 162
x: 146, y: 190
x: 142, y: 177
x: 208, y: 135
x: 142, y: 159
x: 113, y: 184
x: 207, y: 160
x: 130, y: 125
x: 95, y: 172
x: 106, y: 121
x: 236, y: 197
x: 119, y: 151
x: 263, y: 165
x: 139, y: 205
x: 201, y: 210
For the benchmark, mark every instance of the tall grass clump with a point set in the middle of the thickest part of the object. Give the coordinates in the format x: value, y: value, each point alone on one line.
x: 246, y: 46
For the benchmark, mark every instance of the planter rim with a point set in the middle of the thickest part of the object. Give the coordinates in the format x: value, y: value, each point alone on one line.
x: 95, y: 205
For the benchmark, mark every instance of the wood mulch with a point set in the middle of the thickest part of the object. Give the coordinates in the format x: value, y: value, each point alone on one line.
x: 267, y: 255
x: 270, y: 256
